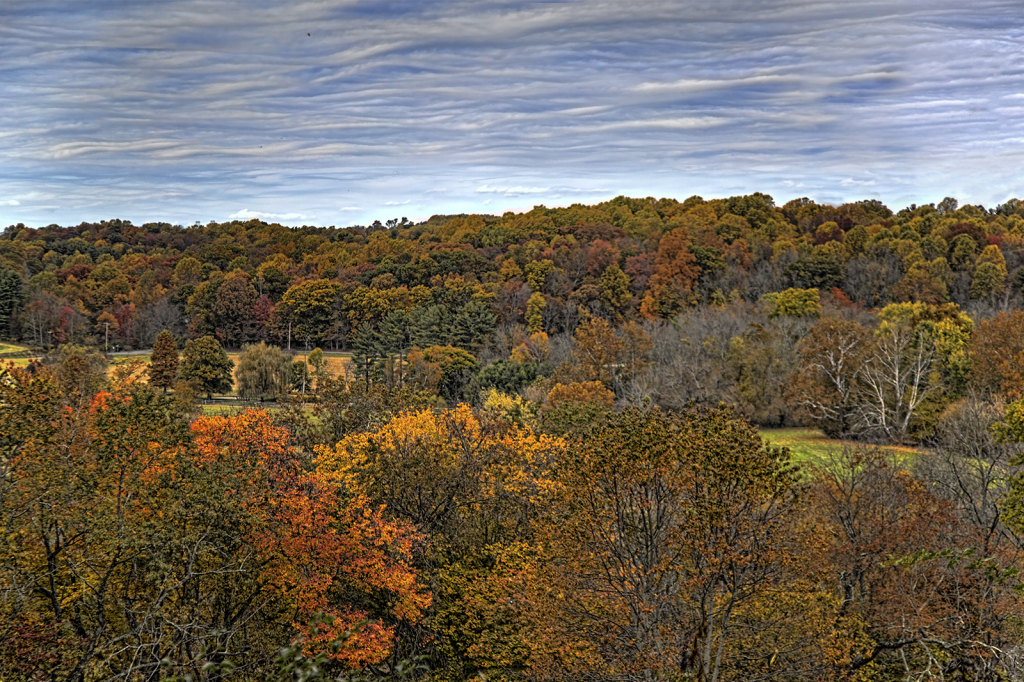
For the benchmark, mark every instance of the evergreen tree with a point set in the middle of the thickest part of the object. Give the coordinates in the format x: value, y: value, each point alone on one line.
x: 473, y: 325
x: 395, y: 335
x: 163, y: 364
x: 12, y: 297
x: 207, y: 366
x: 428, y: 326
x: 367, y: 351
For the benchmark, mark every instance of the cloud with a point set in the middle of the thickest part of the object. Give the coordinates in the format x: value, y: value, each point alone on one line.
x: 246, y: 214
x: 160, y: 112
x: 511, y: 191
x: 11, y: 202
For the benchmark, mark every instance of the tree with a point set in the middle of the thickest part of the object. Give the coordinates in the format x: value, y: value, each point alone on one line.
x: 913, y: 582
x: 146, y: 542
x: 322, y: 550
x: 454, y: 368
x: 367, y: 351
x: 318, y: 362
x: 473, y: 487
x: 473, y: 325
x: 793, y: 303
x: 207, y: 366
x: 163, y: 363
x: 535, y: 312
x: 232, y: 310
x: 832, y: 357
x: 262, y: 372
x: 598, y: 351
x: 614, y: 287
x: 675, y: 274
x: 12, y: 299
x: 663, y: 529
x: 310, y: 308
x: 997, y: 350
x: 896, y: 380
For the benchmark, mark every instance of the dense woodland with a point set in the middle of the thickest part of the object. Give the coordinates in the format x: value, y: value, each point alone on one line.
x: 543, y: 464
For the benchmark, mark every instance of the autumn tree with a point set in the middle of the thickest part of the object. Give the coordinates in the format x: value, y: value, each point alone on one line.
x: 321, y: 549
x: 676, y: 272
x: 146, y: 543
x: 232, y: 309
x: 663, y: 529
x: 997, y: 350
x: 447, y: 368
x: 535, y: 312
x: 793, y: 303
x: 310, y: 309
x: 473, y: 486
x: 614, y: 286
x: 832, y: 357
x: 598, y: 351
x: 909, y: 572
x: 205, y: 364
x: 163, y: 363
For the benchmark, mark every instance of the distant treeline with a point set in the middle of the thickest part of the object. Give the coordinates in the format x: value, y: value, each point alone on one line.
x: 711, y: 299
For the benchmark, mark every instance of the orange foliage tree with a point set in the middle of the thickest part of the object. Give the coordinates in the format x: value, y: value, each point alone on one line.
x: 129, y: 540
x: 474, y: 486
x: 324, y: 550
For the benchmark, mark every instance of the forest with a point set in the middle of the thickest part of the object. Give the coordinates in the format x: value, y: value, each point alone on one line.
x: 540, y: 459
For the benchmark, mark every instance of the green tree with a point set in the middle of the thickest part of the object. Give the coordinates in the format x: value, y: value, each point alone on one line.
x: 263, y: 372
x: 318, y: 362
x: 12, y: 298
x: 615, y: 288
x: 163, y: 364
x: 310, y: 308
x: 367, y: 352
x: 473, y: 325
x: 207, y: 366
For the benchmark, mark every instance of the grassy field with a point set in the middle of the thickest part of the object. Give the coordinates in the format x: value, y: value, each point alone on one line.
x: 810, y: 446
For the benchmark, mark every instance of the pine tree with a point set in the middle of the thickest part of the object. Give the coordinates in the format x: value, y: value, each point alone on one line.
x: 163, y: 364
x: 367, y: 351
x: 12, y: 298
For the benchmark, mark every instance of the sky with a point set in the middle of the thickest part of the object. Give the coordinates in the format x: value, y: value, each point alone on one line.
x: 332, y: 112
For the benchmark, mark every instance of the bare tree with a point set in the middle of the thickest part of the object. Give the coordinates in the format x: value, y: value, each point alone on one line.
x: 894, y: 382
x: 971, y: 468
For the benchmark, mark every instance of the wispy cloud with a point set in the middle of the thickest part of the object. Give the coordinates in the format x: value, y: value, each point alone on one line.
x: 188, y: 110
x: 511, y: 191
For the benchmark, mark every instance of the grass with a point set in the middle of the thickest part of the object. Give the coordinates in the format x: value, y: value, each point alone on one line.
x: 810, y: 446
x: 11, y: 348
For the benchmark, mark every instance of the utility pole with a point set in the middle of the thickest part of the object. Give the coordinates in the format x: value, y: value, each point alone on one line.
x: 106, y: 335
x: 289, y: 337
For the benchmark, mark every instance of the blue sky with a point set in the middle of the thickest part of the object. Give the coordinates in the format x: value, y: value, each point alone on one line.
x: 336, y: 113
